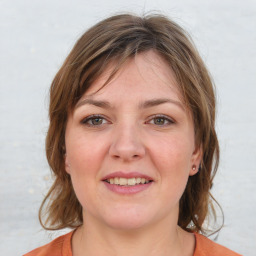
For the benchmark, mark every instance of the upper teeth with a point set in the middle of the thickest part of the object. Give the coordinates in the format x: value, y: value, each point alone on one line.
x: 129, y: 182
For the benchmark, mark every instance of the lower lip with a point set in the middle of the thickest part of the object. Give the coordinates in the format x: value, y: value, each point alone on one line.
x: 127, y: 189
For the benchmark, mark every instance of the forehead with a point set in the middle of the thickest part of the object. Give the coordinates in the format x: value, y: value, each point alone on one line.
x: 145, y: 74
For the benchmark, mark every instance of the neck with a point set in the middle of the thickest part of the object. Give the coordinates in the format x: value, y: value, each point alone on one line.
x: 164, y: 238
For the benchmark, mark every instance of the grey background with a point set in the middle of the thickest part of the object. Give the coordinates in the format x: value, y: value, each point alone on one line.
x: 35, y: 38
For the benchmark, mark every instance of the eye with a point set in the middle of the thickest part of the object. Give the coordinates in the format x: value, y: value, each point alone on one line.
x: 94, y: 120
x: 161, y: 120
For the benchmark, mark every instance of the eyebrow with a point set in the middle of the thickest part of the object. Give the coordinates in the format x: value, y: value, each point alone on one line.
x: 156, y: 102
x: 145, y: 104
x: 97, y: 103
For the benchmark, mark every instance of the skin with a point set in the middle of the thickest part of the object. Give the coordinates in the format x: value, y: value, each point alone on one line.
x: 130, y: 137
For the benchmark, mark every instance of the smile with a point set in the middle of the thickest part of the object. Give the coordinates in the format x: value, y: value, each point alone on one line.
x: 127, y: 182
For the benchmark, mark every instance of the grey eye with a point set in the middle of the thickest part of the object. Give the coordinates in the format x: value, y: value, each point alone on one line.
x: 159, y: 121
x: 96, y: 121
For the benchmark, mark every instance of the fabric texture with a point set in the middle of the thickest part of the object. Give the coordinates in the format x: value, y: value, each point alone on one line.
x: 206, y: 247
x: 61, y: 246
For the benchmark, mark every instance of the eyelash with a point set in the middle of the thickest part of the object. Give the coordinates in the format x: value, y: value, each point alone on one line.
x: 86, y: 120
x: 165, y: 118
x: 90, y: 118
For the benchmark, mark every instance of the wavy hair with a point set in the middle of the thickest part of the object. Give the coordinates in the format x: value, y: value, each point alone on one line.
x: 115, y: 40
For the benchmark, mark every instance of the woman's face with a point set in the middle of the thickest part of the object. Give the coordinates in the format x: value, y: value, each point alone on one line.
x: 130, y: 146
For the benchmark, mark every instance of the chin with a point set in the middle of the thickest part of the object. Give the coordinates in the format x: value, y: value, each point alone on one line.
x: 126, y: 225
x: 129, y: 219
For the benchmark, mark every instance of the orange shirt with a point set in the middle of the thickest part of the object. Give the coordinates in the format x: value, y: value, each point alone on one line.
x: 61, y: 246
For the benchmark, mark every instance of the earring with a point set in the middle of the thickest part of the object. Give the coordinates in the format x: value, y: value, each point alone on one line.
x: 194, y: 167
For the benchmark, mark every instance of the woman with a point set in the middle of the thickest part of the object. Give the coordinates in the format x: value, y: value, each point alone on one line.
x: 132, y: 144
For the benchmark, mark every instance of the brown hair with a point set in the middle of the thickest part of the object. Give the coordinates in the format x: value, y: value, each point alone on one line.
x: 116, y: 39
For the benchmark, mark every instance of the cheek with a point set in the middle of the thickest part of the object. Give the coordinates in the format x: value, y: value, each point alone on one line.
x: 172, y: 160
x: 84, y: 163
x: 85, y: 153
x: 173, y: 155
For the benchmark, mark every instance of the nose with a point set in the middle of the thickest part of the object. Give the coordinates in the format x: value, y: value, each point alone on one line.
x: 127, y: 144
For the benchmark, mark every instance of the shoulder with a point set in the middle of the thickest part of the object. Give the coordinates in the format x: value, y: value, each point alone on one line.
x: 60, y: 246
x: 206, y: 247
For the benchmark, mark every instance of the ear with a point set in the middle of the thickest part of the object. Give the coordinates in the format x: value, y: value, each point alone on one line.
x: 196, y: 160
x: 67, y: 165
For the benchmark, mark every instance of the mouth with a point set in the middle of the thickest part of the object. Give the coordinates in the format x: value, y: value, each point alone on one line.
x: 127, y: 183
x: 120, y: 181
